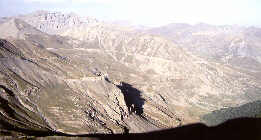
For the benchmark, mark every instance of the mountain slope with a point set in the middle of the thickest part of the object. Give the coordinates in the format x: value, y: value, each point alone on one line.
x: 44, y: 86
x: 45, y: 91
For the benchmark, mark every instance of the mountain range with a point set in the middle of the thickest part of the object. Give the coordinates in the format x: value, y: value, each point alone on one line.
x: 73, y: 75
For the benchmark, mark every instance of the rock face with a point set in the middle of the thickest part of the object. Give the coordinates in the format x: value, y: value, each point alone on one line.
x: 54, y: 22
x: 92, y: 77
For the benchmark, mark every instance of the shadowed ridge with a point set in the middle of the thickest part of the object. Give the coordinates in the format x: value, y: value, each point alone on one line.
x: 236, y: 129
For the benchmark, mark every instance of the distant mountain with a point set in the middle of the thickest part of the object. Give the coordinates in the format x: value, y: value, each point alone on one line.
x: 94, y: 77
x: 234, y: 45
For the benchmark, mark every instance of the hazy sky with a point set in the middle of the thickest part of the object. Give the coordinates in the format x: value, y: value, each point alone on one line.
x: 148, y: 12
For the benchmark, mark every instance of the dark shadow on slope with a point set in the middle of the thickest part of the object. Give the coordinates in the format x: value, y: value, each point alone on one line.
x: 8, y: 91
x: 132, y: 97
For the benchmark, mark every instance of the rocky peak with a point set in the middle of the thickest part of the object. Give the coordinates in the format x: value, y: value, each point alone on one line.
x: 53, y: 22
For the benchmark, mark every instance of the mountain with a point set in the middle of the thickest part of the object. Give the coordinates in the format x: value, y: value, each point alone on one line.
x: 89, y: 77
x: 42, y: 90
x: 232, y: 45
x: 158, y: 59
